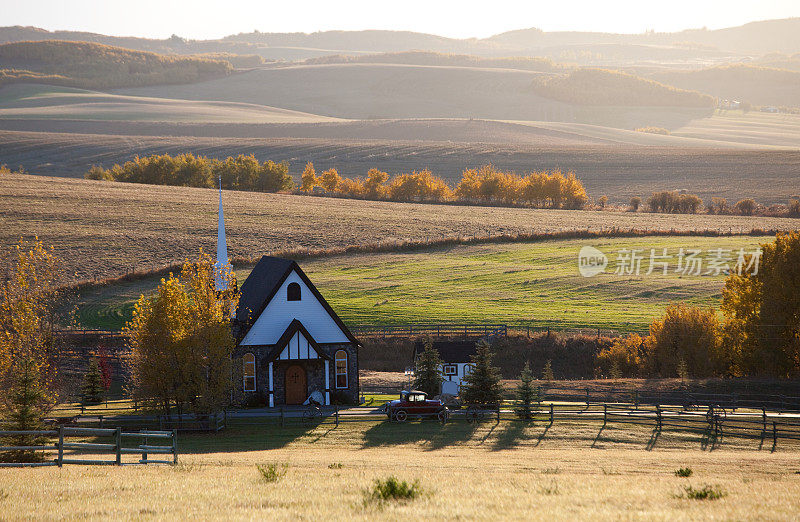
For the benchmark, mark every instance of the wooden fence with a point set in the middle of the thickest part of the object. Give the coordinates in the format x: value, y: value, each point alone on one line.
x: 117, y: 449
x: 711, y: 421
x: 435, y: 330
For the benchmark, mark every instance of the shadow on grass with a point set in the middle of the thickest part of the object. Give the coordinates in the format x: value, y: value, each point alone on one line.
x: 511, y: 435
x: 433, y: 433
x: 251, y: 435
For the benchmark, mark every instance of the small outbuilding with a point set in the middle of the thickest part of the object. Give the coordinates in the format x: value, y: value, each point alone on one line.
x: 455, y: 356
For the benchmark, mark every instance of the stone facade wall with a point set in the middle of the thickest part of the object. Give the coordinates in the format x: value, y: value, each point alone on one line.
x: 315, y: 374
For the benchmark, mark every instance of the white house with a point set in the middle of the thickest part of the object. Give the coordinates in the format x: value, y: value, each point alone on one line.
x: 456, y: 365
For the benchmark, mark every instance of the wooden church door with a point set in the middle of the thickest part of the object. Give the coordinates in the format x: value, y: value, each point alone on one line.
x: 296, y: 390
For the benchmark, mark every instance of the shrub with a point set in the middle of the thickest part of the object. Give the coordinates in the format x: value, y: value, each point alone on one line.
x: 685, y: 333
x: 309, y: 178
x: 718, y: 206
x: 272, y: 472
x: 635, y: 203
x: 393, y: 488
x: 335, y: 465
x: 547, y: 372
x: 683, y: 472
x: 653, y: 130
x: 674, y: 202
x: 623, y: 356
x: 602, y: 201
x: 705, y: 493
x: 745, y: 207
x: 794, y: 208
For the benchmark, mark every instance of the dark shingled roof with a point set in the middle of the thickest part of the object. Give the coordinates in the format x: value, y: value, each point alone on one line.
x: 261, y: 286
x: 449, y: 351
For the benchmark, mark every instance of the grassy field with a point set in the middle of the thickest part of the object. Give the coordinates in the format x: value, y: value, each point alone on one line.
x: 567, y: 471
x: 535, y: 284
x: 103, y: 229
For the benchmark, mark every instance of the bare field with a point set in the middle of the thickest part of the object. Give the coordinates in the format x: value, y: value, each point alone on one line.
x: 512, y: 471
x: 104, y: 229
x: 769, y: 176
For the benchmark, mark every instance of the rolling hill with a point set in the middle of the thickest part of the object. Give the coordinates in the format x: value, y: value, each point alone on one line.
x: 92, y: 65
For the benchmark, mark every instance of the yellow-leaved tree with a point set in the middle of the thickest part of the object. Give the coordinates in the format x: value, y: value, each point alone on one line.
x: 309, y: 178
x: 27, y: 349
x: 181, y: 342
x: 762, y: 310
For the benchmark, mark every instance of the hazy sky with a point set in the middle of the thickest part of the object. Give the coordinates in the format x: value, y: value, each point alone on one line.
x: 202, y: 19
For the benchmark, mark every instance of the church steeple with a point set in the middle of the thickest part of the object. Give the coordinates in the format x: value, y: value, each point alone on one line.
x: 222, y: 247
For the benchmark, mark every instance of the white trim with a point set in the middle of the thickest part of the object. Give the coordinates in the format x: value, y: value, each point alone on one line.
x: 327, y: 382
x: 298, y: 349
x: 336, y: 370
x: 271, y: 388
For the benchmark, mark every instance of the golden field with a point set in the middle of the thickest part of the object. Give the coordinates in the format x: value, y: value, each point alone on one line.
x: 494, y: 471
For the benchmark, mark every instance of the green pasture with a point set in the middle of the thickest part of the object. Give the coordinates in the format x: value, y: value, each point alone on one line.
x: 535, y: 284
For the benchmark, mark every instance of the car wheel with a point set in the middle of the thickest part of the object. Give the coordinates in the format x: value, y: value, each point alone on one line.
x: 400, y: 416
x: 442, y: 416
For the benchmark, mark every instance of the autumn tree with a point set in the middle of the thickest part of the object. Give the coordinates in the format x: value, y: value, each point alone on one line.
x: 762, y: 311
x: 309, y: 178
x: 330, y: 180
x: 428, y: 374
x: 685, y: 333
x: 482, y: 384
x: 181, y: 342
x: 27, y: 314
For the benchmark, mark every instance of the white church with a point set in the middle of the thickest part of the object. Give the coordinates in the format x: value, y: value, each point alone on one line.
x: 291, y: 344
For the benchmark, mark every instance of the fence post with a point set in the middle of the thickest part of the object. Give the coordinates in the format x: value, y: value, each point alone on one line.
x: 144, y: 450
x: 774, y: 433
x: 658, y: 417
x: 551, y: 413
x: 587, y: 397
x: 764, y: 422
x: 60, y: 460
x: 636, y: 399
x: 118, y: 444
x: 498, y: 413
x: 174, y: 446
x: 605, y: 414
x: 336, y: 413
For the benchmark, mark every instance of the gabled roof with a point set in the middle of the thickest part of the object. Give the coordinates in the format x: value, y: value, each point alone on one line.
x: 261, y: 286
x: 449, y: 351
x: 294, y: 327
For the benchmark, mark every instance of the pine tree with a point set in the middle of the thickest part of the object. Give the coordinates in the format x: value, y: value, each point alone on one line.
x: 92, y: 387
x: 483, y: 382
x: 526, y: 393
x: 428, y: 376
x: 547, y: 371
x: 27, y: 403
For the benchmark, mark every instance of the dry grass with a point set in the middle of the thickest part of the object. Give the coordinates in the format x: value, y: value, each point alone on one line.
x: 508, y: 471
x: 103, y: 229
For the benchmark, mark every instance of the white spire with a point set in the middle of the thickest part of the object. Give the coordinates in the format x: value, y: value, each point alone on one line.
x: 222, y: 247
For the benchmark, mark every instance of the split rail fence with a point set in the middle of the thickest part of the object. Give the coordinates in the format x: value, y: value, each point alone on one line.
x: 73, y: 452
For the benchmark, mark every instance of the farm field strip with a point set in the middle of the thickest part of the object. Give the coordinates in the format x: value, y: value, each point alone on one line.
x: 567, y: 471
x: 536, y: 284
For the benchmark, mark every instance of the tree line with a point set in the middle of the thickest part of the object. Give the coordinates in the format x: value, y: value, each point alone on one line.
x: 486, y: 184
x: 187, y: 170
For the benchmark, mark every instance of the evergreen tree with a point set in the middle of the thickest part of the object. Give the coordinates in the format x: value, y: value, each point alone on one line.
x: 27, y: 402
x: 526, y: 393
x: 483, y: 383
x: 92, y: 388
x: 547, y: 371
x: 428, y: 375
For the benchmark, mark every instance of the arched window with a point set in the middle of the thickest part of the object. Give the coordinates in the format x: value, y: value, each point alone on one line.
x: 293, y: 292
x: 249, y: 372
x: 341, y: 369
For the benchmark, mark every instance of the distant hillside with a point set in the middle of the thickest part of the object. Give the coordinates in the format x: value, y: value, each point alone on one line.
x: 753, y: 39
x: 434, y: 58
x: 755, y: 84
x: 604, y: 87
x: 91, y: 65
x: 780, y: 61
